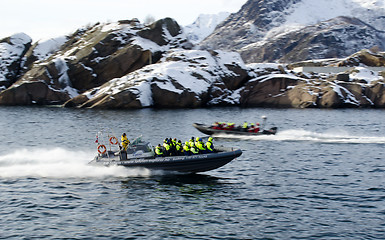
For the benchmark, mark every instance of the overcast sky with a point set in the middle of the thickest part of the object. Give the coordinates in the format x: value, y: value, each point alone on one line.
x: 42, y: 19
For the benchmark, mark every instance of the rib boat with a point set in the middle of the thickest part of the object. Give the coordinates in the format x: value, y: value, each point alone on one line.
x: 211, y: 130
x: 141, y: 154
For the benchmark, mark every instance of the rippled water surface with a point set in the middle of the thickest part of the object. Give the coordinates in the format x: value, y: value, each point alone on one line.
x: 321, y: 177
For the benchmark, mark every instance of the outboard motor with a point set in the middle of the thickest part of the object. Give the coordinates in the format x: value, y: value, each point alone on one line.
x: 123, y: 155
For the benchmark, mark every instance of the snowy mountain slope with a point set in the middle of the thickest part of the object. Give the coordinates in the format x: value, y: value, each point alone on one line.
x: 311, y: 12
x: 203, y: 26
x: 337, y: 37
x: 260, y: 20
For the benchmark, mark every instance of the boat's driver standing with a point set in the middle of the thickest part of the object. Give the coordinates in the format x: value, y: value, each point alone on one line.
x: 125, y: 142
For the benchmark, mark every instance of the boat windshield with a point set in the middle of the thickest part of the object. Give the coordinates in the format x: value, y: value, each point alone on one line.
x: 137, y: 141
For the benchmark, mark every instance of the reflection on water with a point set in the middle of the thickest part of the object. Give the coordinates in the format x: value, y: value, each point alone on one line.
x: 185, y: 184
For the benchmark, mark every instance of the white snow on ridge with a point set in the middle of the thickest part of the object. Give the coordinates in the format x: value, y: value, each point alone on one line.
x: 46, y: 48
x: 310, y: 12
x: 362, y: 73
x: 204, y: 26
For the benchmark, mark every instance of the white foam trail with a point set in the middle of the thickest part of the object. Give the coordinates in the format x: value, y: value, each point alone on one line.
x: 330, y: 136
x: 59, y: 163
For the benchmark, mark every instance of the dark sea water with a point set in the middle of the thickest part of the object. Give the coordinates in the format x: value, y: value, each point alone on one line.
x: 321, y: 177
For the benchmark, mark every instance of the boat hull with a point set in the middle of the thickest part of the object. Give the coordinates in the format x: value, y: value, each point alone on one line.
x: 186, y: 164
x: 206, y: 129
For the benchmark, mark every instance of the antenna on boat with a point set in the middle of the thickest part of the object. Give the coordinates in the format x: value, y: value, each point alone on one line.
x: 263, y: 122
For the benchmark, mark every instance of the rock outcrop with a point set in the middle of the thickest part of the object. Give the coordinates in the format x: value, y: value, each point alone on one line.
x: 356, y: 87
x: 12, y: 51
x: 181, y: 79
x: 91, y: 57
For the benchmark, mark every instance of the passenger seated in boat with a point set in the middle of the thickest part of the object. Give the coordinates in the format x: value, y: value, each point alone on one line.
x: 210, y: 145
x: 255, y: 128
x: 192, y: 146
x: 194, y: 150
x: 167, y: 147
x: 245, y: 127
x: 230, y: 126
x: 186, y: 149
x: 172, y: 142
x: 178, y: 148
x: 200, y: 146
x: 124, y: 142
x: 159, y: 151
x: 218, y: 125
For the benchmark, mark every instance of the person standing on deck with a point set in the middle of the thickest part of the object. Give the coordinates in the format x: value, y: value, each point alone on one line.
x: 124, y: 142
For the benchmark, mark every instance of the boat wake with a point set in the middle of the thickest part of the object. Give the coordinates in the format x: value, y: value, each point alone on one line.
x: 303, y: 135
x: 59, y: 163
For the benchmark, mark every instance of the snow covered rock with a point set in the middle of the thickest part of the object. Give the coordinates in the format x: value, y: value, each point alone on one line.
x: 91, y: 57
x: 43, y: 49
x: 12, y: 50
x: 282, y: 87
x: 181, y: 79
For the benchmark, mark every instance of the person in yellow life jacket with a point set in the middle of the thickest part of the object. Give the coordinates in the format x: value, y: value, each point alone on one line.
x: 173, y: 144
x: 178, y: 148
x: 158, y: 151
x: 196, y: 142
x: 245, y: 126
x: 125, y: 142
x: 210, y: 145
x: 194, y: 150
x: 167, y: 147
x: 186, y: 149
x: 200, y: 146
x: 192, y: 142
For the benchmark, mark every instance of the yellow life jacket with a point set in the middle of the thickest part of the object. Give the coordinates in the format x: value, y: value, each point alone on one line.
x: 209, y: 145
x: 186, y: 147
x: 158, y: 150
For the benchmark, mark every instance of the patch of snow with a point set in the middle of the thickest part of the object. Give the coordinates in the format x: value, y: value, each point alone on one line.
x: 361, y: 73
x: 144, y: 94
x: 147, y: 44
x: 10, y: 52
x: 345, y: 94
x: 203, y: 26
x: 62, y: 68
x: 46, y: 48
x: 20, y: 39
x: 110, y: 27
